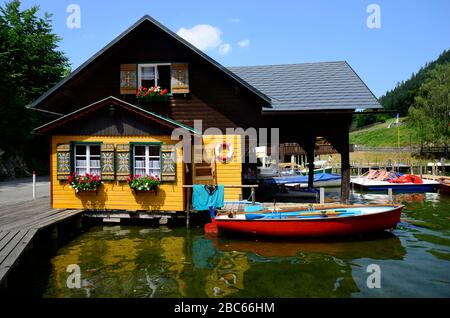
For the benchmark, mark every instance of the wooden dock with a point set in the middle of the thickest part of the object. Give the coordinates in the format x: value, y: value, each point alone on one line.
x: 19, y: 223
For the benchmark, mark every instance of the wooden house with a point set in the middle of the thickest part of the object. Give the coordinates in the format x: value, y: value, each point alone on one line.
x: 103, y: 129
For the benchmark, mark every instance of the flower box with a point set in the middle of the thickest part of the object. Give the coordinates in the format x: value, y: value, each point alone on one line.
x: 146, y: 95
x: 143, y: 184
x: 85, y: 183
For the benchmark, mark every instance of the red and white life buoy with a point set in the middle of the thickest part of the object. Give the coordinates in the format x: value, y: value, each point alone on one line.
x: 224, y: 152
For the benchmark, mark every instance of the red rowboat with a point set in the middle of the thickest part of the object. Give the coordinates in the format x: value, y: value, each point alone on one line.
x: 324, y: 222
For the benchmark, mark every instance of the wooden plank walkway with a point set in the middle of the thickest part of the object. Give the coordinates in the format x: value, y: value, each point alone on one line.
x: 19, y: 223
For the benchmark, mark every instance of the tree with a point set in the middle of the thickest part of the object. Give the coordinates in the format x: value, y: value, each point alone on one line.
x: 403, y: 95
x: 430, y: 111
x: 30, y: 64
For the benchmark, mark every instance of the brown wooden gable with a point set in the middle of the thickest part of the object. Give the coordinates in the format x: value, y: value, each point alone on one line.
x: 215, y: 96
x: 111, y: 117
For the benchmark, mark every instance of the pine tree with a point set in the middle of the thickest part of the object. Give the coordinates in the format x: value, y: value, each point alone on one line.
x: 30, y: 64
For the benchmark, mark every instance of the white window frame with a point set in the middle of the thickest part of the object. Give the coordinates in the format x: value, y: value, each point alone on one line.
x: 88, y: 158
x: 155, y: 65
x: 147, y: 158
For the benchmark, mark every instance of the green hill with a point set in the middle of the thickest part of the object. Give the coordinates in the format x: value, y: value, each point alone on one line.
x: 402, y: 96
x: 378, y: 135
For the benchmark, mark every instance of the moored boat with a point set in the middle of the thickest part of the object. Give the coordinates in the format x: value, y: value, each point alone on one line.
x: 320, y: 180
x: 320, y: 166
x: 444, y: 187
x: 381, y: 180
x: 318, y: 222
x: 295, y: 190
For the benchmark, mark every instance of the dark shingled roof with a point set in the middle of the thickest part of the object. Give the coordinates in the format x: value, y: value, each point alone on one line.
x: 309, y: 86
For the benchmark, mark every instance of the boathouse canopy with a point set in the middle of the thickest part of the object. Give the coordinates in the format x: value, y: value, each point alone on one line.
x: 309, y: 86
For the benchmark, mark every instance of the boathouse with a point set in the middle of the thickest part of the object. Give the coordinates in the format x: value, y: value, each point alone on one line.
x: 103, y: 128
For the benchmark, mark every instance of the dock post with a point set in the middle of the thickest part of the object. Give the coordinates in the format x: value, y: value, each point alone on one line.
x: 188, y: 207
x: 79, y: 222
x: 322, y: 195
x: 54, y: 233
x: 253, y: 196
x: 421, y: 169
x: 34, y: 185
x: 391, y: 198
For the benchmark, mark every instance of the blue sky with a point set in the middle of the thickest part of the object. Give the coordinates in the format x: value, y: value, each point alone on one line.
x: 253, y: 32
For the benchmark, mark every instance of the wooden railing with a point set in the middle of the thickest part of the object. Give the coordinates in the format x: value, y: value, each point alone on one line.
x: 435, y: 150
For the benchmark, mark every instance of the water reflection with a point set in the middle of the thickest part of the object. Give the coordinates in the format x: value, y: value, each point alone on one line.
x: 383, y: 245
x: 133, y: 261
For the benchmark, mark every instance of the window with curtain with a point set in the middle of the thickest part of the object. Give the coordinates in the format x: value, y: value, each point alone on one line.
x: 147, y: 160
x: 150, y: 75
x: 87, y: 159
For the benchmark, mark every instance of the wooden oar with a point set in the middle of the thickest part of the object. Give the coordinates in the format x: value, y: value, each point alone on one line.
x: 306, y: 214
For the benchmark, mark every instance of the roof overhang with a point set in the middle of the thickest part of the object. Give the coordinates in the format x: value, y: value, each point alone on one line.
x: 111, y: 100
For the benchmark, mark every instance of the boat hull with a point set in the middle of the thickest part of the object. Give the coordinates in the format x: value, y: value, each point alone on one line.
x: 323, y: 227
x: 444, y: 188
x: 290, y: 193
x: 320, y: 180
x: 396, y: 187
x: 316, y: 171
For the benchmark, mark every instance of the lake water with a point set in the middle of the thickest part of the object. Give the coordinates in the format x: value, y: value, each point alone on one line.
x: 138, y: 261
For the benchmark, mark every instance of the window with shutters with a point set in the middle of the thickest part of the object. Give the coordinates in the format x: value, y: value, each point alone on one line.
x: 150, y: 75
x: 87, y: 159
x: 147, y: 160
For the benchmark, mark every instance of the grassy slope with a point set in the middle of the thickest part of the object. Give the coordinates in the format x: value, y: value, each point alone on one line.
x: 380, y: 136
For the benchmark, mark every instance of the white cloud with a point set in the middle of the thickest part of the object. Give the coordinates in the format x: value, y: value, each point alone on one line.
x: 244, y: 43
x: 203, y: 36
x: 224, y: 48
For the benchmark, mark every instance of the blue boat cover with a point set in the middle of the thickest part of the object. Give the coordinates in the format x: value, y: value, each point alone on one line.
x: 302, y: 179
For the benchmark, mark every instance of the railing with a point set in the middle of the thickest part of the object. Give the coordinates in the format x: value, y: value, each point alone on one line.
x: 358, y: 148
x: 241, y: 186
x: 435, y: 150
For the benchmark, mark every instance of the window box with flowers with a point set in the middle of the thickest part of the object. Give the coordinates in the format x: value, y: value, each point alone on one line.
x: 85, y: 183
x: 146, y: 95
x: 144, y: 184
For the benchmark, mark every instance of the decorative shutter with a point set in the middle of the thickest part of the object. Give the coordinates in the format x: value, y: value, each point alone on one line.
x: 107, y: 161
x: 180, y: 78
x: 128, y: 78
x: 169, y: 163
x: 123, y: 161
x: 63, y: 161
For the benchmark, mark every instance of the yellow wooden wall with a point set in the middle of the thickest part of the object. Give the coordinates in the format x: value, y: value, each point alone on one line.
x: 117, y: 195
x: 227, y: 173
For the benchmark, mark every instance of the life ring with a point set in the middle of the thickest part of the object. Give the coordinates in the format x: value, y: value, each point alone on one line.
x: 224, y: 158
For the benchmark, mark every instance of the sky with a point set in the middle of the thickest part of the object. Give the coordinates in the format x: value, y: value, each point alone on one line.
x: 384, y: 43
